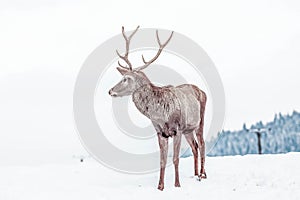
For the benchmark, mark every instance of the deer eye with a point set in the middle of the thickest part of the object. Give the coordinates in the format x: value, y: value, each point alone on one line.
x: 124, y: 80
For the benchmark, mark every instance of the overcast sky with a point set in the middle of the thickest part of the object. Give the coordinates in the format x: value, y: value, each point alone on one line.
x: 254, y: 44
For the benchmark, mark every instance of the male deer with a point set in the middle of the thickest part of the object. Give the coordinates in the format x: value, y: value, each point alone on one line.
x: 173, y: 110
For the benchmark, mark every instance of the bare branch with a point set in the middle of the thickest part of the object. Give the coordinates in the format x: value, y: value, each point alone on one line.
x: 161, y: 47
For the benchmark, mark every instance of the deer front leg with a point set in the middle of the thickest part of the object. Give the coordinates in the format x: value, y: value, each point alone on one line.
x: 176, y: 143
x: 163, y: 145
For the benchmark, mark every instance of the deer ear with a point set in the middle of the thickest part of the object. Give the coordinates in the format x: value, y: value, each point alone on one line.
x: 121, y: 70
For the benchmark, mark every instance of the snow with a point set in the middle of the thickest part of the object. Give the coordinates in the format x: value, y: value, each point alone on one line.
x: 43, y: 45
x: 232, y: 177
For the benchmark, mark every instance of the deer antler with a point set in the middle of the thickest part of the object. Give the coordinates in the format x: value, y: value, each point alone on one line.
x: 125, y: 57
x: 161, y: 47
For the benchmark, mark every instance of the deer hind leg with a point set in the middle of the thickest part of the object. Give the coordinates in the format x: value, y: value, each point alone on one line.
x: 194, y: 146
x: 202, y: 156
x: 176, y: 145
x: 163, y: 145
x: 199, y: 135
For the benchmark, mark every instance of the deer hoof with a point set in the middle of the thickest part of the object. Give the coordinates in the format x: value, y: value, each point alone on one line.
x: 177, y: 184
x: 160, y: 187
x: 202, y: 176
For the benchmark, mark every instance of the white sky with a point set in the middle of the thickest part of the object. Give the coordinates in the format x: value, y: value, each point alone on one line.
x: 254, y: 44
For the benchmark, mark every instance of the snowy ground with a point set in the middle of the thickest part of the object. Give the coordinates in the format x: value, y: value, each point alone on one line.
x: 238, y: 177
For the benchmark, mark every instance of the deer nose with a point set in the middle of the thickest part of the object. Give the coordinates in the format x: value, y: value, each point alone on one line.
x: 111, y: 93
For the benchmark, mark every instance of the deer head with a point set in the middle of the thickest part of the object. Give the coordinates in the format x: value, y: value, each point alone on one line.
x: 133, y: 78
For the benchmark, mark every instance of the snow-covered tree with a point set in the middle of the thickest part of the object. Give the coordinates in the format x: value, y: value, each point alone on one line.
x: 279, y: 136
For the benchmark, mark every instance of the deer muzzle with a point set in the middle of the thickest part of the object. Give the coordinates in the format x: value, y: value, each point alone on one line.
x: 112, y: 93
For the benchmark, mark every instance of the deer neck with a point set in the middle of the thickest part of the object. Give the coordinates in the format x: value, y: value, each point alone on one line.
x: 142, y: 81
x: 156, y: 103
x: 142, y: 98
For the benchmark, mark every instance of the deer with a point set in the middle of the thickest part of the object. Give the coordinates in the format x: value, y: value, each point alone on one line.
x: 173, y: 110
